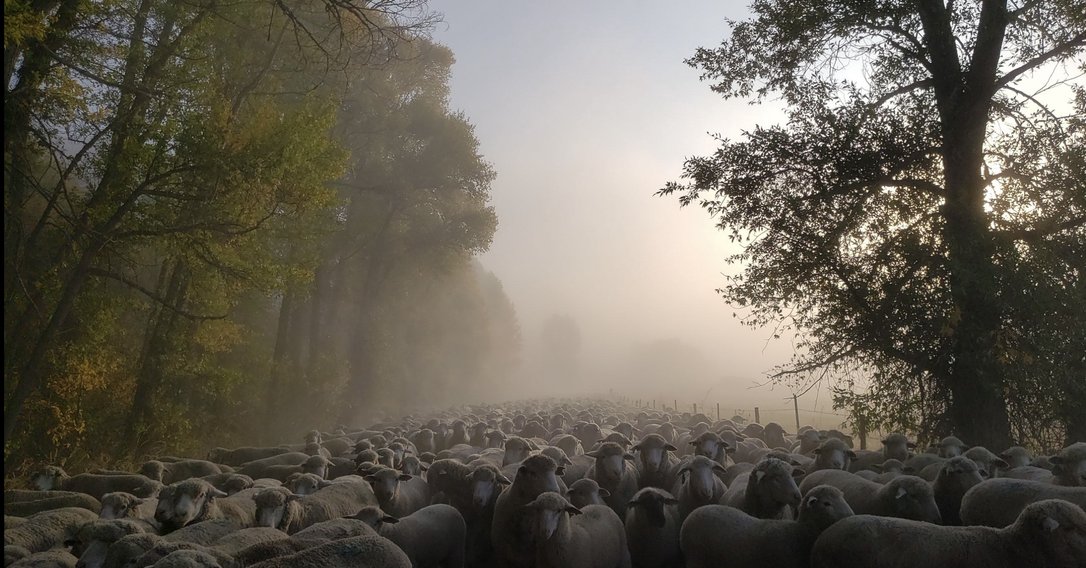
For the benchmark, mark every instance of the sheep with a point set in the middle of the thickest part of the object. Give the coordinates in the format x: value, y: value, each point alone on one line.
x: 278, y: 508
x: 413, y: 466
x: 905, y: 496
x: 988, y: 464
x: 832, y: 453
x: 1047, y: 533
x: 257, y: 468
x: 195, y: 500
x: 951, y: 446
x: 957, y: 476
x: 594, y: 538
x: 517, y: 449
x: 398, y: 493
x: 734, y: 471
x: 338, y: 446
x: 712, y: 446
x: 917, y: 463
x: 997, y: 502
x: 1029, y: 472
x: 96, y: 537
x: 177, y: 471
x: 1069, y: 466
x: 229, y: 483
x: 222, y: 549
x: 585, y: 492
x: 447, y: 479
x: 53, y: 477
x: 354, y: 552
x: 720, y: 536
x: 56, y: 558
x: 769, y: 491
x: 129, y: 549
x: 611, y: 473
x: 433, y: 536
x: 309, y: 537
x: 12, y: 522
x: 305, y: 483
x: 1016, y: 456
x: 569, y: 444
x: 187, y: 558
x: 13, y: 554
x: 895, y: 446
x: 700, y: 486
x: 535, y: 476
x: 774, y: 436
x: 486, y: 484
x: 656, y: 462
x: 121, y: 505
x: 22, y: 503
x: 652, y: 529
x: 317, y: 465
x: 48, y: 529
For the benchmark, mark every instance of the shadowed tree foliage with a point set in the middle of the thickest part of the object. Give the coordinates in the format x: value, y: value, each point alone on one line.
x: 204, y: 203
x: 918, y: 218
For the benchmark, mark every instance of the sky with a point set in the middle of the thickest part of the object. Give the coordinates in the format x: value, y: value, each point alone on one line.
x: 585, y: 109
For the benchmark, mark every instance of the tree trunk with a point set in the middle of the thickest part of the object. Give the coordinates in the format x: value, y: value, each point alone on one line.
x: 149, y: 378
x: 276, y: 382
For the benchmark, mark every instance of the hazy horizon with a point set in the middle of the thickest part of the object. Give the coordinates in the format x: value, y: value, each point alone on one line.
x: 584, y: 114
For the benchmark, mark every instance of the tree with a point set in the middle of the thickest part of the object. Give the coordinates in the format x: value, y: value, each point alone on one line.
x: 898, y: 222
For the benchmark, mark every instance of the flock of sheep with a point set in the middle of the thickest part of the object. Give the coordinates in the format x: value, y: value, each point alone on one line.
x: 563, y: 484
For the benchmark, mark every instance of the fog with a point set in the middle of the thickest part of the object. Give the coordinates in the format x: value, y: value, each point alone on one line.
x: 585, y: 110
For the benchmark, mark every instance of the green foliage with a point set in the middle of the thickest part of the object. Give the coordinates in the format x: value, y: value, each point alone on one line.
x: 917, y: 220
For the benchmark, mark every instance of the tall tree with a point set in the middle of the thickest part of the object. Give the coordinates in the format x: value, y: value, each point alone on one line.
x: 896, y: 220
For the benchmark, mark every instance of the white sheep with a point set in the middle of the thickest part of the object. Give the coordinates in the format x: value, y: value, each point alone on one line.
x: 652, y: 529
x: 1047, y: 533
x: 1069, y: 466
x: 725, y: 537
x: 905, y: 496
x: 698, y: 485
x: 23, y: 503
x: 769, y: 491
x: 509, y: 535
x: 611, y: 473
x: 398, y: 493
x: 194, y: 500
x: 290, y: 513
x: 48, y: 529
x: 563, y: 536
x: 53, y: 477
x: 997, y: 502
x: 656, y: 462
x: 432, y: 537
x: 96, y: 537
x: 355, y: 552
x: 957, y: 476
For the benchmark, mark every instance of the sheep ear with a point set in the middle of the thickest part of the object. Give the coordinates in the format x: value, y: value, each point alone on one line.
x: 796, y: 472
x: 670, y: 448
x: 573, y: 510
x: 559, y: 471
x: 404, y: 477
x: 389, y: 519
x: 1050, y: 524
x: 293, y: 497
x: 604, y: 493
x: 812, y: 500
x: 503, y: 480
x: 566, y: 461
x: 371, y: 478
x: 729, y: 450
x: 1002, y: 464
x: 323, y: 483
x: 901, y: 492
x: 758, y: 475
x: 423, y: 466
x: 877, y: 467
x: 592, y: 454
x: 216, y: 493
x: 851, y: 454
x: 718, y: 467
x: 694, y: 443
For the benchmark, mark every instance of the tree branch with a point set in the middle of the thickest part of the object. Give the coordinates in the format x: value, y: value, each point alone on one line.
x: 152, y: 295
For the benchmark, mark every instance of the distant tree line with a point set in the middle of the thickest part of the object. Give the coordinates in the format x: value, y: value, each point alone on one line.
x: 235, y: 221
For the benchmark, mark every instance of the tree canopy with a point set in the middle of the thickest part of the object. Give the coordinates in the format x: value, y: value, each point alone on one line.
x: 917, y: 220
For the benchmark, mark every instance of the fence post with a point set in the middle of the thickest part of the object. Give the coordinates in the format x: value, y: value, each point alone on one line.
x: 695, y: 408
x: 757, y: 415
x: 718, y: 411
x: 861, y: 426
x: 795, y: 405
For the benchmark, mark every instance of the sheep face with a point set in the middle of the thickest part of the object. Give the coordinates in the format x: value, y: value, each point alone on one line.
x: 119, y: 505
x: 49, y: 478
x: 701, y: 481
x: 569, y: 444
x: 187, y: 502
x: 237, y: 482
x: 1069, y: 466
x: 652, y: 450
x: 486, y: 483
x: 96, y: 537
x: 809, y: 440
x: 386, y: 457
x: 960, y: 472
x: 374, y: 517
x: 911, y: 498
x: 495, y: 439
x: 155, y: 470
x: 317, y: 465
x: 988, y: 463
x: 306, y: 484
x: 1016, y: 456
x: 516, y: 450
x: 710, y: 445
x: 774, y: 482
x: 557, y: 455
x: 586, y: 492
x: 896, y: 446
x: 824, y: 505
x: 386, y: 484
x: 546, y: 512
x: 833, y: 454
x: 537, y: 474
x: 950, y: 447
x: 653, y: 502
x: 610, y: 461
x: 271, y: 507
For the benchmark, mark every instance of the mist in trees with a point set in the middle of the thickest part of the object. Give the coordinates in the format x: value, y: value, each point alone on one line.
x: 229, y: 223
x: 917, y: 220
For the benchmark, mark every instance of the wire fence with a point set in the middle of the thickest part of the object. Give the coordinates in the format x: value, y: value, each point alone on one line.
x: 791, y: 417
